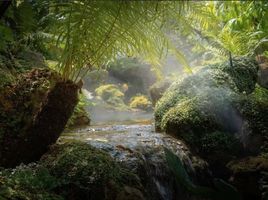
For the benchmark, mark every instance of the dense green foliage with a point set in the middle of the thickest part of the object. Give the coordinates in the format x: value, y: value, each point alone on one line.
x: 140, y: 102
x: 228, y: 28
x: 112, y: 95
x: 95, y: 33
x: 219, y: 110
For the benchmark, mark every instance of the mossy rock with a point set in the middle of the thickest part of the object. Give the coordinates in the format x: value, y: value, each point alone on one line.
x: 239, y: 78
x: 206, y: 112
x: 216, y: 107
x: 244, y: 73
x: 254, y: 108
x: 70, y: 171
x: 86, y: 172
x: 190, y: 87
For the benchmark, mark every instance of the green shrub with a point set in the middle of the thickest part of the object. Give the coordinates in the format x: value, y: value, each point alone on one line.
x: 141, y: 102
x: 109, y: 91
x: 112, y: 95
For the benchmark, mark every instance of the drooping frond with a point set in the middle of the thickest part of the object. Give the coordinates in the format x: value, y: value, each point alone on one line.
x: 94, y: 33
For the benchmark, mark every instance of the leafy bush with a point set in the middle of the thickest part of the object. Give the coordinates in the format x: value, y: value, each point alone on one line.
x: 141, y: 102
x: 111, y: 94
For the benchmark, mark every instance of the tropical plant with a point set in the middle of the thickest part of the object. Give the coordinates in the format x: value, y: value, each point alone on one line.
x: 94, y: 33
x: 227, y: 28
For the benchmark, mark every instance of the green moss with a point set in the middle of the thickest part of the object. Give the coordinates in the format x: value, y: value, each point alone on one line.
x: 243, y: 72
x: 68, y: 171
x: 81, y: 163
x: 218, y: 142
x: 90, y: 172
x: 203, y: 113
x: 194, y: 85
x: 108, y: 91
x: 254, y: 108
x: 6, y: 77
x: 28, y: 182
x: 241, y: 77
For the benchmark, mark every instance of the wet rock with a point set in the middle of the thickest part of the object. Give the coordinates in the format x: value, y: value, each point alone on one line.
x: 140, y: 150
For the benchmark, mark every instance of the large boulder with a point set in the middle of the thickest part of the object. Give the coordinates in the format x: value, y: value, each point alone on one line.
x: 71, y: 171
x: 218, y: 111
x: 88, y: 173
x: 33, y: 113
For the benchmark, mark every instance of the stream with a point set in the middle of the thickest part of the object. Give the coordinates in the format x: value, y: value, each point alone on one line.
x: 137, y: 146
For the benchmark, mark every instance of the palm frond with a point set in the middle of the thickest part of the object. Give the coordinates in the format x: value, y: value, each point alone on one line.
x: 94, y: 33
